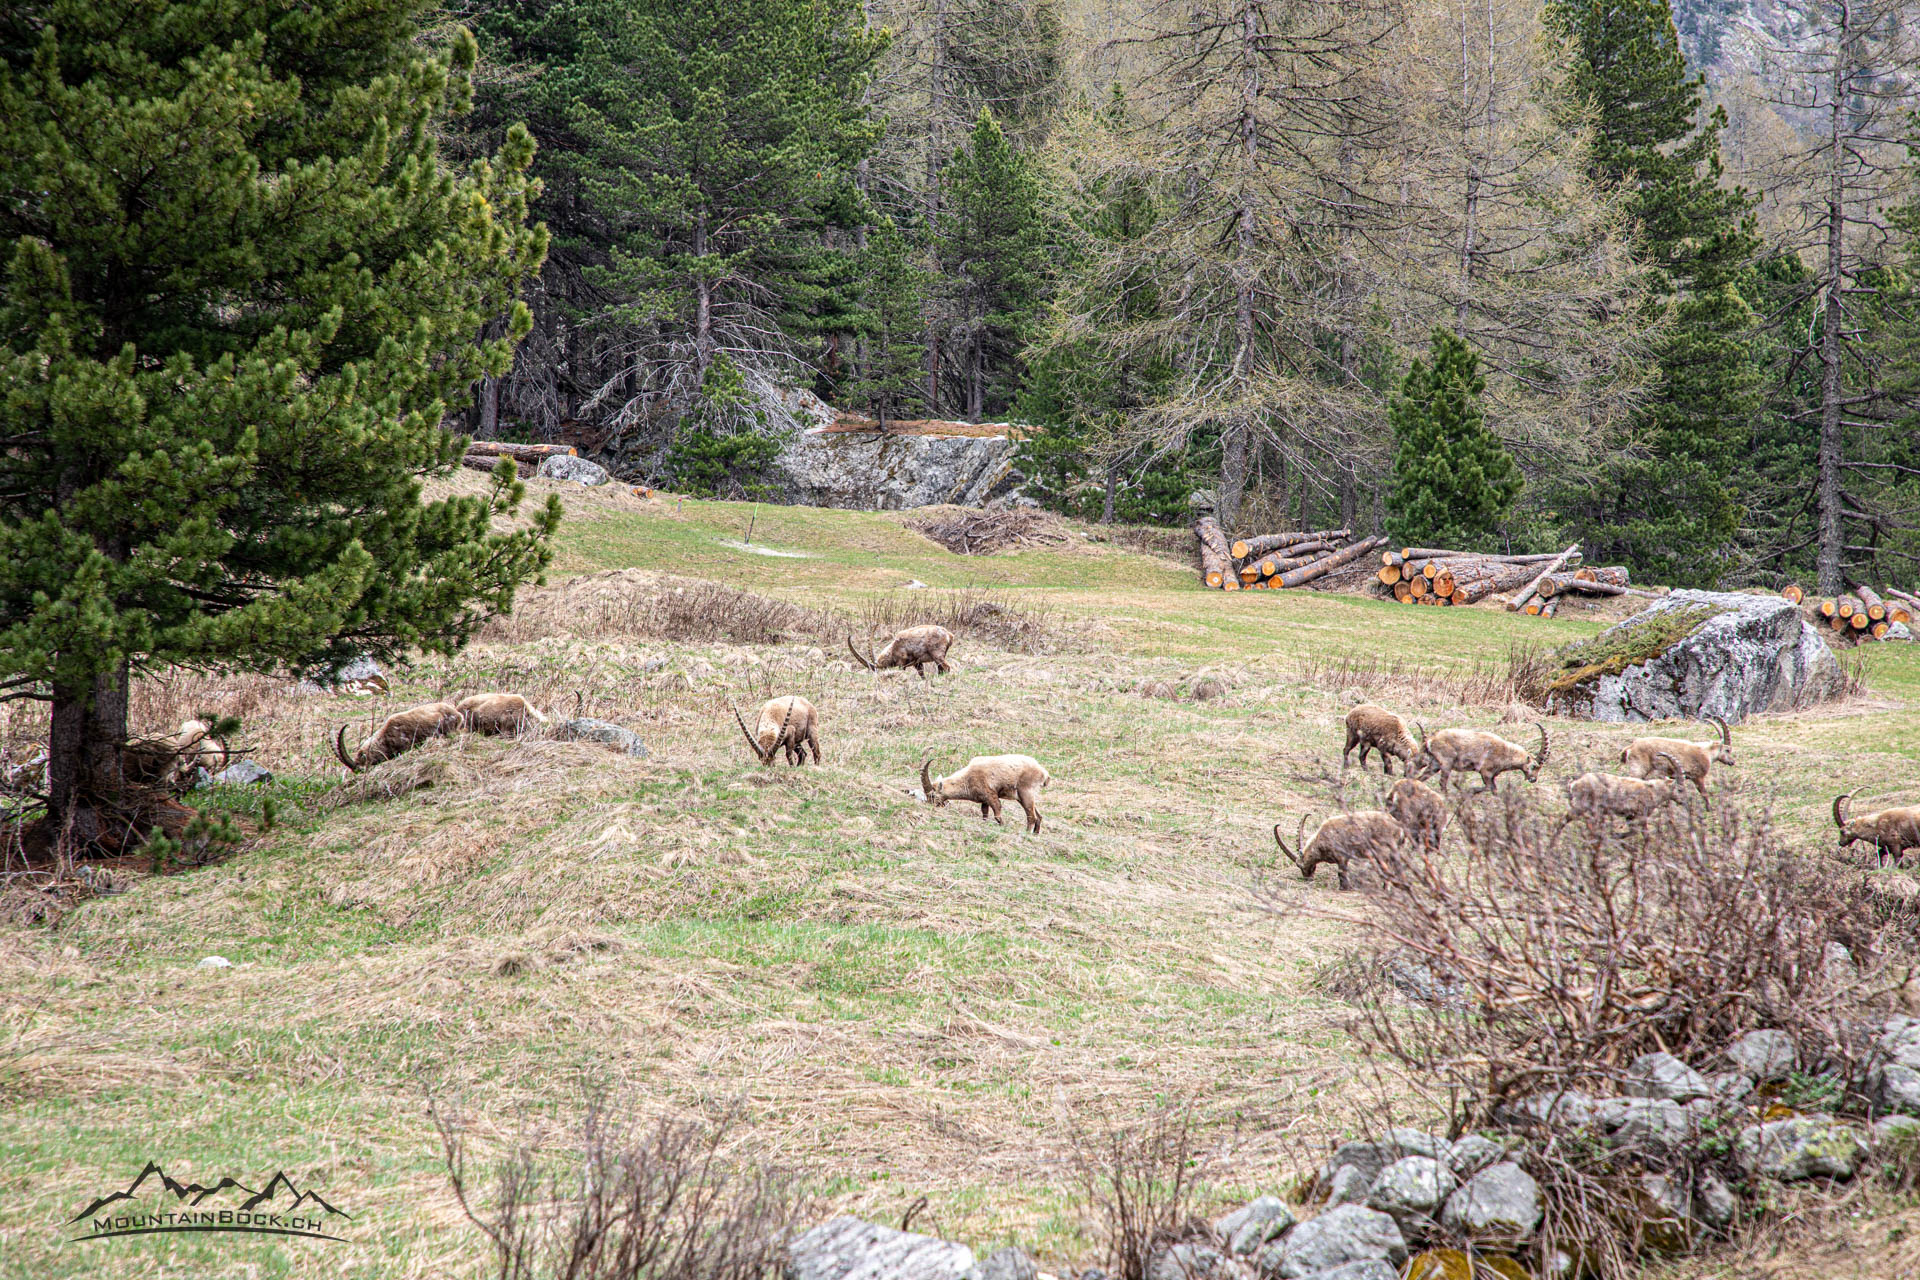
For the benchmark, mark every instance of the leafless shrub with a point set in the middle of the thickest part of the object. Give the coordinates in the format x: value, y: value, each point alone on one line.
x: 1139, y: 1182
x: 971, y: 531
x: 968, y: 611
x: 630, y: 1201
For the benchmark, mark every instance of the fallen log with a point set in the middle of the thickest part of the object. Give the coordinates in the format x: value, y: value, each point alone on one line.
x: 1326, y: 564
x: 519, y: 452
x: 1216, y: 554
x: 1612, y: 575
x: 1876, y: 607
x: 1553, y: 566
x: 487, y: 462
x: 1793, y: 592
x: 1247, y: 548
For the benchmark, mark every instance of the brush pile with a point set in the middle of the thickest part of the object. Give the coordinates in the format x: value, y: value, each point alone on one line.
x: 1276, y: 561
x: 969, y: 531
x: 1862, y: 614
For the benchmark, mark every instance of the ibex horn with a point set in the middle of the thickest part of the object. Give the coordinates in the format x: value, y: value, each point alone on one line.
x: 1423, y: 734
x: 1291, y: 856
x: 340, y: 749
x: 1726, y: 734
x: 1546, y: 742
x: 782, y: 737
x: 1839, y: 814
x: 757, y: 753
x: 856, y: 653
x: 926, y: 781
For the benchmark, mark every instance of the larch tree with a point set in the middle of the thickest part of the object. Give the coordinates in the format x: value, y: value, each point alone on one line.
x: 241, y: 293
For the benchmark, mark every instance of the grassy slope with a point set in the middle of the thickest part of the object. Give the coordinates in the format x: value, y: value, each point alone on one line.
x: 906, y: 1000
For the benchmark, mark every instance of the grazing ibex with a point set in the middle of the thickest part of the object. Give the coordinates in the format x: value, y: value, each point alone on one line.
x: 1420, y: 809
x: 160, y: 761
x: 398, y: 734
x: 1367, y: 833
x: 787, y: 724
x: 1693, y: 759
x: 497, y: 713
x: 986, y: 781
x: 916, y: 647
x: 1893, y: 831
x: 1596, y: 796
x: 1452, y: 751
x: 1374, y: 728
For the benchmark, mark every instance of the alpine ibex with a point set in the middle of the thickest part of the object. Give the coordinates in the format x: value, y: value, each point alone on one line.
x: 1366, y: 833
x: 1452, y: 751
x: 986, y: 781
x: 787, y: 724
x: 500, y: 713
x: 916, y: 647
x: 160, y: 761
x: 1595, y: 796
x: 1374, y: 728
x: 1893, y: 831
x: 398, y: 734
x: 1642, y: 756
x: 1420, y: 809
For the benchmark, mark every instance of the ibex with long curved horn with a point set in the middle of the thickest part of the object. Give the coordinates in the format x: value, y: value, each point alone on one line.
x: 787, y: 723
x: 1452, y: 751
x: 1366, y: 833
x: 986, y: 781
x: 1642, y: 756
x: 916, y: 647
x: 1892, y: 831
x: 398, y: 733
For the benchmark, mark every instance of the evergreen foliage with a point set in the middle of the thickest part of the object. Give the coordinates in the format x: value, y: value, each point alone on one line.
x: 889, y: 380
x: 241, y: 293
x: 1663, y: 500
x: 724, y: 443
x: 1453, y: 481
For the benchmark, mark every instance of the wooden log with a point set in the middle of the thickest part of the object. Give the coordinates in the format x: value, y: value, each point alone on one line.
x: 1550, y: 608
x: 1403, y: 592
x: 1837, y: 623
x: 1216, y: 558
x: 1443, y: 583
x: 1470, y: 586
x: 1879, y: 630
x: 1846, y: 606
x: 1553, y: 566
x: 1829, y: 609
x: 1327, y: 564
x: 1249, y: 547
x: 1419, y: 588
x: 1392, y: 559
x: 1389, y: 574
x: 1876, y: 607
x: 1860, y: 621
x: 1613, y: 575
x: 1793, y: 592
x: 487, y: 462
x: 520, y: 452
x: 1533, y: 608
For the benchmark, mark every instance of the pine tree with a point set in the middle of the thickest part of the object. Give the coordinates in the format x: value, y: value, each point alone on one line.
x: 994, y: 246
x: 1664, y: 500
x: 241, y: 295
x: 1453, y: 481
x: 892, y: 297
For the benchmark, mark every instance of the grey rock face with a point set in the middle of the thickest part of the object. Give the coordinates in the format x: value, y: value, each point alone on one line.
x: 1897, y: 1087
x: 1412, y: 1188
x: 1350, y: 1233
x: 1007, y: 1264
x: 1254, y: 1224
x: 1471, y: 1154
x: 1192, y: 1261
x: 1500, y: 1202
x: 588, y: 729
x: 1800, y: 1147
x: 1730, y: 1087
x: 1755, y: 654
x: 1713, y: 1200
x: 849, y: 1249
x: 1895, y: 1128
x: 243, y: 773
x: 869, y: 471
x: 1900, y: 1040
x: 1349, y: 1185
x: 1368, y: 1158
x: 1764, y: 1055
x: 564, y: 466
x: 1418, y: 1142
x: 1661, y: 1075
x: 1569, y: 1109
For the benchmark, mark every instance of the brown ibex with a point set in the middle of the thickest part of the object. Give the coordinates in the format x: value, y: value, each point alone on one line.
x: 1642, y: 756
x: 1420, y: 809
x: 1596, y: 796
x: 1892, y: 831
x: 398, y: 734
x: 916, y: 647
x: 787, y: 724
x: 1452, y: 751
x: 1367, y: 833
x: 986, y: 781
x: 499, y: 713
x: 161, y: 761
x: 1374, y: 728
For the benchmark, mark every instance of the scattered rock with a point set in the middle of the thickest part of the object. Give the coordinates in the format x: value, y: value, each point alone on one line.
x: 201, y: 778
x: 1764, y: 1055
x: 1501, y: 1202
x: 1350, y: 1233
x: 1419, y: 982
x: 1734, y: 655
x: 1897, y: 1088
x: 605, y: 732
x: 1900, y: 1040
x: 243, y: 773
x: 361, y: 675
x: 1249, y: 1227
x: 1661, y: 1075
x: 566, y: 466
x: 1349, y: 1185
x: 1895, y: 1128
x: 1713, y: 1199
x: 1655, y: 1121
x: 1569, y: 1109
x: 1007, y: 1264
x: 1730, y: 1087
x: 1364, y: 1269
x: 1194, y: 1261
x: 215, y: 962
x: 1413, y: 1187
x: 1798, y: 1148
x: 849, y: 1249
x: 1471, y: 1154
x: 1418, y: 1142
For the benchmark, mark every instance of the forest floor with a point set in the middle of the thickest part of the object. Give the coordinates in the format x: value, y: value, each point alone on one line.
x: 903, y: 1001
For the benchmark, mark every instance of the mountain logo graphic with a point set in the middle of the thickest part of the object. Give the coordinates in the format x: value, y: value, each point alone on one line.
x: 155, y: 1203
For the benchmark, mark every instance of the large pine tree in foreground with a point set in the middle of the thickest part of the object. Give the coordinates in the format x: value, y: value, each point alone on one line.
x: 1453, y: 481
x: 240, y: 294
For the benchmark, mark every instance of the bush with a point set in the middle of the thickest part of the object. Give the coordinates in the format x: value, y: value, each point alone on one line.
x: 724, y: 445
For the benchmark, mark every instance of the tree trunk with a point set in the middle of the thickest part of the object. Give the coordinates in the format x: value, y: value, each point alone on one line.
x: 977, y: 374
x: 1106, y: 501
x: 83, y: 749
x: 703, y: 300
x: 1832, y: 339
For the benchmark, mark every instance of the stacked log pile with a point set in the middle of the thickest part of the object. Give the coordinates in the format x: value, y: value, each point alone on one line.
x: 1861, y: 614
x: 1277, y: 561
